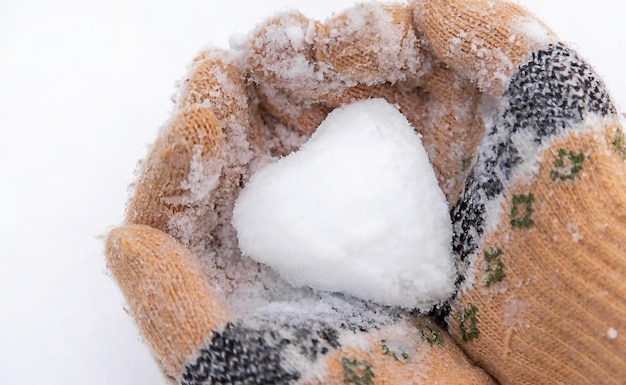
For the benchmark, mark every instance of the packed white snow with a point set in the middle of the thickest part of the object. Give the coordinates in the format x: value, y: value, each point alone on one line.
x: 356, y: 210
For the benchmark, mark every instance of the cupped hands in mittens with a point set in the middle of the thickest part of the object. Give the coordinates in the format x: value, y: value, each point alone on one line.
x: 213, y: 315
x: 521, y: 134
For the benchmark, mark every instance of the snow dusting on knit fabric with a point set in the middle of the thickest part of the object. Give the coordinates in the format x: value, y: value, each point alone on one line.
x: 311, y: 60
x: 356, y: 210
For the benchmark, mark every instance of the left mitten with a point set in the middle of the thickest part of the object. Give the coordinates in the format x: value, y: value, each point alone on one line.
x: 210, y: 314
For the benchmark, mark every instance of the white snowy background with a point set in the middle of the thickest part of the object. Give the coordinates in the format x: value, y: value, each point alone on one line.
x: 84, y: 86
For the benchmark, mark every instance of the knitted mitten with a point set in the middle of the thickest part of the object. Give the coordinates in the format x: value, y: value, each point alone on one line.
x: 214, y: 316
x: 539, y: 226
x: 523, y: 139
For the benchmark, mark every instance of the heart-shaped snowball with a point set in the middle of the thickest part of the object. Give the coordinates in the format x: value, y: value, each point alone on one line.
x: 356, y: 210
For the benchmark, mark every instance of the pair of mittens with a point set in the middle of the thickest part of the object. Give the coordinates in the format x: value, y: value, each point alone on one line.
x: 525, y: 142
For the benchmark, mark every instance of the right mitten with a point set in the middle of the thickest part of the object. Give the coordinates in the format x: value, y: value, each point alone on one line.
x: 540, y: 227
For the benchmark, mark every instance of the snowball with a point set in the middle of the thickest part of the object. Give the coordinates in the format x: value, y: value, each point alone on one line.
x: 356, y: 210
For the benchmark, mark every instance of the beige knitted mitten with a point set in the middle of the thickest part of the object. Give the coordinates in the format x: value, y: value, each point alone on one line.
x: 526, y: 146
x: 539, y: 225
x: 213, y: 316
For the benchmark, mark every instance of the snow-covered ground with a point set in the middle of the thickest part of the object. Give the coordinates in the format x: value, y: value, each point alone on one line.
x: 83, y: 88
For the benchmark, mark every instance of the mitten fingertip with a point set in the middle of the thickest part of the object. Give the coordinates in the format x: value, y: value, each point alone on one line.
x: 484, y: 41
x: 191, y: 140
x: 372, y: 44
x: 167, y: 292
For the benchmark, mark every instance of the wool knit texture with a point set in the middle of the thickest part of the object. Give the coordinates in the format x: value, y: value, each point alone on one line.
x: 526, y: 145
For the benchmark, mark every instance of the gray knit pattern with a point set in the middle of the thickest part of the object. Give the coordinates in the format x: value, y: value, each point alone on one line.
x: 551, y: 92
